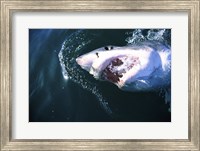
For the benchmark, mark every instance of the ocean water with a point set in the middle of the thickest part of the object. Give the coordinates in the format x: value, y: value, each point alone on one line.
x: 60, y: 91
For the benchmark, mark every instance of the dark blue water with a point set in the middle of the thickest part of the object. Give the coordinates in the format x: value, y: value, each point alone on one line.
x: 64, y: 92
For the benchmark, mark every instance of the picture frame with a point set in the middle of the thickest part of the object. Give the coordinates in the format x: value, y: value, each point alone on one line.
x: 9, y: 7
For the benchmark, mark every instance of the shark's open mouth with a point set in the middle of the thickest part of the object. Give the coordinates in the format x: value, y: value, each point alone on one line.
x: 118, y: 67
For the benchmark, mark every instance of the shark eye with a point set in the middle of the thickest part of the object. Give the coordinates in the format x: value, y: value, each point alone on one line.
x: 108, y: 47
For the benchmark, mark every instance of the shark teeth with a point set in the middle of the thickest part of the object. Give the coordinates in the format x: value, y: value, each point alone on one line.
x: 118, y: 67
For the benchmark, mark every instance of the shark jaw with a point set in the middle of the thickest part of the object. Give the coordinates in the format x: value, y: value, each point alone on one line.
x: 113, y: 69
x: 118, y: 69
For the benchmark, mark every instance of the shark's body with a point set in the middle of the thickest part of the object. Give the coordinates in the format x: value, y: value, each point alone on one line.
x: 142, y: 67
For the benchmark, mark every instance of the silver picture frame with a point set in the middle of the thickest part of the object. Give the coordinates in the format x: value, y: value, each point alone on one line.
x: 9, y: 7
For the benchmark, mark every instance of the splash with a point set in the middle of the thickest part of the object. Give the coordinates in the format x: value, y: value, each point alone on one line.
x: 136, y: 36
x: 72, y: 47
x: 140, y: 35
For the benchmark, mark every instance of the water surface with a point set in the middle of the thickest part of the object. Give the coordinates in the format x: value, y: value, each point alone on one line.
x: 63, y: 92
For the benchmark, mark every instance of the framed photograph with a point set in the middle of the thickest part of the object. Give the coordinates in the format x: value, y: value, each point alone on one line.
x: 99, y: 75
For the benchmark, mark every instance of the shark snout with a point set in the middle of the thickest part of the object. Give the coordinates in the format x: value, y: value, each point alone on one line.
x: 84, y: 62
x: 80, y: 61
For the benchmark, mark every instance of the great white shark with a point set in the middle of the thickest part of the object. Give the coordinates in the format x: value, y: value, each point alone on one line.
x: 138, y: 67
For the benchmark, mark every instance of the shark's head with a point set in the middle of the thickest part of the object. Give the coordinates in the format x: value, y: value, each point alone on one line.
x: 120, y: 65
